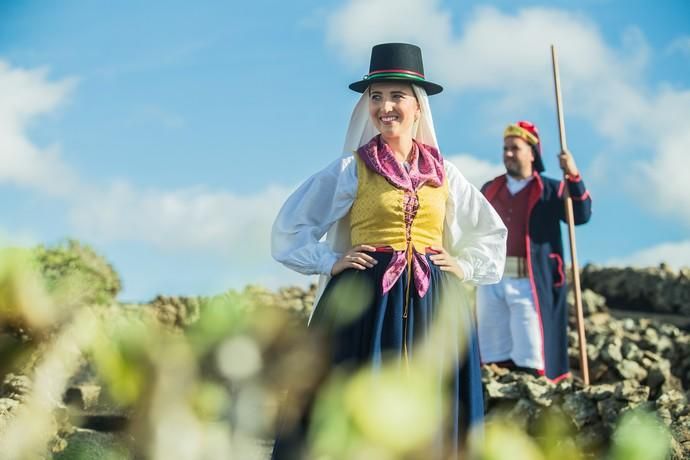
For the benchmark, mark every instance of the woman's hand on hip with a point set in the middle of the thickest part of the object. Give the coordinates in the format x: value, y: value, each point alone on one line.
x: 356, y: 258
x: 446, y: 262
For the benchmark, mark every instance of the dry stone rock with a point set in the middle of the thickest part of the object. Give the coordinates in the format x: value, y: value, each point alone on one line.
x: 523, y: 414
x: 539, y: 392
x: 15, y: 386
x: 610, y: 409
x: 632, y: 391
x: 665, y: 415
x: 592, y: 302
x: 580, y: 409
x: 176, y: 311
x: 599, y: 392
x: 502, y: 391
x: 675, y: 402
x: 631, y: 370
x: 631, y: 351
x: 7, y: 408
x: 658, y: 289
x: 592, y: 437
x: 611, y: 353
x: 681, y: 440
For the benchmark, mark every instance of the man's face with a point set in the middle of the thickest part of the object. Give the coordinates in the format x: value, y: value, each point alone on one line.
x: 517, y: 157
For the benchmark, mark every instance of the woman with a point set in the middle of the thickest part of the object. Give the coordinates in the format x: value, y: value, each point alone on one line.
x: 403, y: 227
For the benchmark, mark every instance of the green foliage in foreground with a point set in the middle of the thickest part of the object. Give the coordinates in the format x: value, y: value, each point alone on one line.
x: 93, y: 445
x: 220, y: 372
x: 640, y: 436
x: 75, y: 269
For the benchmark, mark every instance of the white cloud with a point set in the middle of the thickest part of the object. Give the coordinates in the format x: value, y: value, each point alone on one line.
x: 193, y: 218
x: 507, y: 57
x: 477, y: 171
x: 361, y: 23
x: 179, y: 221
x: 184, y: 219
x: 493, y: 50
x: 25, y: 95
x: 674, y: 254
x: 663, y: 180
x: 680, y: 45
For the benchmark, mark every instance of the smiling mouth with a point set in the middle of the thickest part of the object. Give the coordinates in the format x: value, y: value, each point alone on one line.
x: 388, y: 118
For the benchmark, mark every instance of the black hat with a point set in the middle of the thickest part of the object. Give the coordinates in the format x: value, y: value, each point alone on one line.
x: 396, y: 62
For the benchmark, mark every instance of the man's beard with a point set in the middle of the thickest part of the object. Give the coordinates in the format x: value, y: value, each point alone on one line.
x: 513, y: 169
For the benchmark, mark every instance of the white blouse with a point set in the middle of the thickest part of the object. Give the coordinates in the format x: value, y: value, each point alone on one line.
x: 473, y: 231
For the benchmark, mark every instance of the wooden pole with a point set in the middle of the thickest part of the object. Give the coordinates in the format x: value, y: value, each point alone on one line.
x: 571, y: 228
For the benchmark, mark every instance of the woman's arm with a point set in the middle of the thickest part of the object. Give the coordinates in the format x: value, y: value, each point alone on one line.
x: 474, y: 233
x: 307, y: 215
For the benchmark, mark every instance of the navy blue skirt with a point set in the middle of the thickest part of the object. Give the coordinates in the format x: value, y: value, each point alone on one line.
x: 364, y: 327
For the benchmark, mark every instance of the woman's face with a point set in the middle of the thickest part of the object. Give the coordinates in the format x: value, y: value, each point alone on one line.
x: 393, y: 108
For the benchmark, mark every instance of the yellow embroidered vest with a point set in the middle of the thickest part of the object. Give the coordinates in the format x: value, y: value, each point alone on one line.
x: 380, y: 211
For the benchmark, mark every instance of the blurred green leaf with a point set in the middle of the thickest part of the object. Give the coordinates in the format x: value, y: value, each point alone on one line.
x: 503, y: 441
x: 640, y: 436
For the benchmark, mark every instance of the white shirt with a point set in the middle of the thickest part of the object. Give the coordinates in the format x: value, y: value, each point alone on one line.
x: 473, y: 231
x: 515, y: 185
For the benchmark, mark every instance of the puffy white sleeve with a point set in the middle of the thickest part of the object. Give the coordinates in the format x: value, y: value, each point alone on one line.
x: 308, y: 213
x: 474, y: 232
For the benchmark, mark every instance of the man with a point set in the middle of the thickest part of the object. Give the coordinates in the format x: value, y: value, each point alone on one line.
x: 522, y: 321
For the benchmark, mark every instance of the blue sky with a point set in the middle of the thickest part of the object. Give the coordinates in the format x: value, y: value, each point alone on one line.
x: 167, y: 134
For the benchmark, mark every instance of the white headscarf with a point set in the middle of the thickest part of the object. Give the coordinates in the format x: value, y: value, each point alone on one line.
x: 361, y: 129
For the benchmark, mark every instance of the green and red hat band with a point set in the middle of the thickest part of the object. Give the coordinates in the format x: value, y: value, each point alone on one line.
x: 395, y: 73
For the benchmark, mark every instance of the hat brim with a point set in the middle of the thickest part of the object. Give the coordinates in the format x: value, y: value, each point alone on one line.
x: 429, y: 87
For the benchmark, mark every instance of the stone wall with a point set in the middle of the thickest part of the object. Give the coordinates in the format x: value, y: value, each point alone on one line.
x: 659, y: 290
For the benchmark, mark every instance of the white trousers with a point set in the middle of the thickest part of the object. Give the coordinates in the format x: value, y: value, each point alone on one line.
x: 508, y: 323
